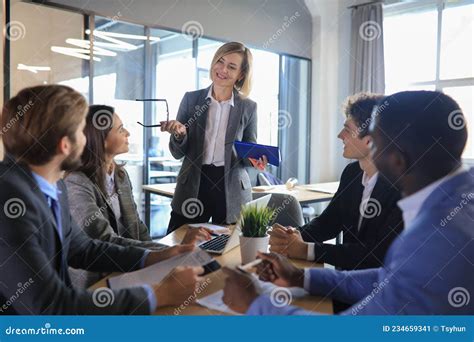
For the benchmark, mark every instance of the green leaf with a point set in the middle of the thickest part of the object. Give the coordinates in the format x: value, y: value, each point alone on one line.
x: 254, y: 222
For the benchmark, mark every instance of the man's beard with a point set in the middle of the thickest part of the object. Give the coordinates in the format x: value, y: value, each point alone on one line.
x: 73, y: 161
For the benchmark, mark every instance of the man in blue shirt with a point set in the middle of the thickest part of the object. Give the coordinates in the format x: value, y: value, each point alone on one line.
x: 418, y: 140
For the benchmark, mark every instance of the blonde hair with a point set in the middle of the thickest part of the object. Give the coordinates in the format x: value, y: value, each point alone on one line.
x: 244, y: 85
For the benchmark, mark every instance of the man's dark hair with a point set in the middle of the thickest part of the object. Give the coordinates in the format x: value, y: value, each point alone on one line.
x: 359, y: 107
x: 427, y: 127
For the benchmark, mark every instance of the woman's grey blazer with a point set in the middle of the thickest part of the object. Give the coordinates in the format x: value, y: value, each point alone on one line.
x: 93, y: 213
x: 242, y: 126
x: 91, y: 210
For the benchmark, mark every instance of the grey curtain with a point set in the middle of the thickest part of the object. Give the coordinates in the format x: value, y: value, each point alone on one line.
x: 367, y: 59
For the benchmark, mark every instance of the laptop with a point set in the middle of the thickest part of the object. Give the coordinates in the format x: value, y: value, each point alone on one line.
x: 223, y: 243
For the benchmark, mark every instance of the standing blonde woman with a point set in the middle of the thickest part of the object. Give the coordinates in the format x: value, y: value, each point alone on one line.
x: 212, y: 182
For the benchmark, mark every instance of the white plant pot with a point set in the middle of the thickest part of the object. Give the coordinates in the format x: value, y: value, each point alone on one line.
x: 249, y: 246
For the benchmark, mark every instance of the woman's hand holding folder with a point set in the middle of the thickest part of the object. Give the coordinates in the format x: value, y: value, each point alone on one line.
x: 260, y: 163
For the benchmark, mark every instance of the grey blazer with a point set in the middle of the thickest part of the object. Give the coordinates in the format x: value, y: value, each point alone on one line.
x: 90, y: 209
x: 242, y: 126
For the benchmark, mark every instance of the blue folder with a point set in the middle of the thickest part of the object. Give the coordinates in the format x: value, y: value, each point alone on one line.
x: 249, y: 150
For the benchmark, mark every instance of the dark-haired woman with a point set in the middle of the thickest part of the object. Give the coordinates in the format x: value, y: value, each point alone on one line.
x: 100, y: 192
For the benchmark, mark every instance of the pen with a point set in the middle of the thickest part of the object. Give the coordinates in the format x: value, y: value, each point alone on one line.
x: 248, y: 266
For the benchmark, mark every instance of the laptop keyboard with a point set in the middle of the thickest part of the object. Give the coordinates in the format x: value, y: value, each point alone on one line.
x: 216, y: 244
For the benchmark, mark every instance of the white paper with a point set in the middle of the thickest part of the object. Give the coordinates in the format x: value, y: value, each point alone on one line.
x: 215, y: 228
x: 214, y: 301
x: 157, y: 272
x: 328, y: 188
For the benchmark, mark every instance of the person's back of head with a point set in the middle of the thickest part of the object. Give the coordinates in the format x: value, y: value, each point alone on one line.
x: 422, y: 133
x: 37, y: 118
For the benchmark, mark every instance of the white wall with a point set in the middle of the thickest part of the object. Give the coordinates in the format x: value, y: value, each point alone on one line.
x: 253, y: 22
x: 330, y: 84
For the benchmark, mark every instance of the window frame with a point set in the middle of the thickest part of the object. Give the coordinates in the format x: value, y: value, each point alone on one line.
x: 438, y: 83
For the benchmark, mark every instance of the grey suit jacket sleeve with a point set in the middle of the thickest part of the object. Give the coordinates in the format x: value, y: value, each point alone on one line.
x: 89, y: 216
x: 178, y: 147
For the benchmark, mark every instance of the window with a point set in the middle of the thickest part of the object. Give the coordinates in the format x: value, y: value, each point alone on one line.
x: 118, y: 81
x: 174, y: 70
x: 40, y: 48
x: 294, y: 118
x: 429, y: 45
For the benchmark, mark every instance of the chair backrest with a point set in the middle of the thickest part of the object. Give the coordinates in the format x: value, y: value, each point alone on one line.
x: 266, y: 178
x: 289, y: 212
x: 262, y: 180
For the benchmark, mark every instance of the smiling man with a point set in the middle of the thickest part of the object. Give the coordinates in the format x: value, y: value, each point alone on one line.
x: 364, y: 208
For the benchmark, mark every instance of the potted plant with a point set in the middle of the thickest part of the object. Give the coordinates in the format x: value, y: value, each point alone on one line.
x: 254, y: 223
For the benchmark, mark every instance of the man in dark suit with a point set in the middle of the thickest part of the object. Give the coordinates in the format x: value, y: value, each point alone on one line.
x: 43, y: 136
x: 364, y: 207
